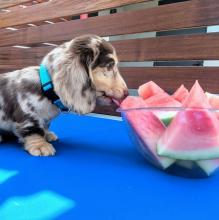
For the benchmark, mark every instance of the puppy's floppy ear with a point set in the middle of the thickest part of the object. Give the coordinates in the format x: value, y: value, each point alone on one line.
x: 72, y: 79
x: 87, y: 48
x: 73, y: 85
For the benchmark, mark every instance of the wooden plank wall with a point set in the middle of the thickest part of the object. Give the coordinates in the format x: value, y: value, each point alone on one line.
x: 183, y: 47
x: 48, y: 10
x: 198, y: 13
x: 164, y: 76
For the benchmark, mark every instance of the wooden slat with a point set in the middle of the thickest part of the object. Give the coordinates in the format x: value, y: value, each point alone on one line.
x: 57, y: 8
x: 183, y: 47
x: 170, y: 78
x: 10, y: 3
x: 4, y: 71
x: 167, y: 17
x: 16, y: 58
x: 18, y: 7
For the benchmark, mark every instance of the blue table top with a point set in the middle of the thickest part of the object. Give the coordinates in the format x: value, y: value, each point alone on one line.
x: 97, y: 174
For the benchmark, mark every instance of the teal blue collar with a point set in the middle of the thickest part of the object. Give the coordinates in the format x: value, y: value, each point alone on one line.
x: 48, y: 89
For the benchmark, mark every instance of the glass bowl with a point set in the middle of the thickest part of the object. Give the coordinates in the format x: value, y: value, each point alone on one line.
x: 148, y: 126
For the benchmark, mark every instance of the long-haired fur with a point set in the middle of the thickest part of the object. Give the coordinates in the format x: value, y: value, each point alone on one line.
x: 83, y: 71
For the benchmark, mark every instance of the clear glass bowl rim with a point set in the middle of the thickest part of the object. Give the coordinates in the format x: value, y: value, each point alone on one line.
x: 167, y: 109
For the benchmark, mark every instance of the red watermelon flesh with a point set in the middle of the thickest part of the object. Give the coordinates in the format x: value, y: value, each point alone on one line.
x: 181, y: 93
x: 149, y: 89
x: 209, y: 166
x: 131, y: 102
x: 196, y: 98
x: 162, y: 100
x: 194, y: 133
x: 213, y: 100
x: 149, y: 129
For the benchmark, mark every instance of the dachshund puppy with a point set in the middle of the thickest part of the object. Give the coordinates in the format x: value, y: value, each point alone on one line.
x: 83, y: 71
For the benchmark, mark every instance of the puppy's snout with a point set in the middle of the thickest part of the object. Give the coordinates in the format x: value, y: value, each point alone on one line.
x: 120, y: 94
x: 126, y: 93
x: 123, y: 94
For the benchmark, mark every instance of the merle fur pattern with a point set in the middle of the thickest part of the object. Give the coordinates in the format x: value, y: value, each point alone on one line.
x: 24, y: 110
x: 82, y: 70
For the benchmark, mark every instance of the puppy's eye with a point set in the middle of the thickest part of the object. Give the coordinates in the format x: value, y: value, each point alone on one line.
x: 110, y: 65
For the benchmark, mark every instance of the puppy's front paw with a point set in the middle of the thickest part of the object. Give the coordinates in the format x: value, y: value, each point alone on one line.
x: 50, y: 136
x: 46, y: 150
x: 37, y: 146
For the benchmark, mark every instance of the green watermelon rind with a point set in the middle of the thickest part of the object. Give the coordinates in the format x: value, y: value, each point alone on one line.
x: 166, y: 117
x: 143, y: 145
x: 212, y: 95
x: 208, y: 166
x: 206, y: 150
x: 164, y: 162
x: 188, y: 155
x: 209, y: 95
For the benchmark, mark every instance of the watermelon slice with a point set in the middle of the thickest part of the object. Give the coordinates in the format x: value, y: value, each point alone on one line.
x: 194, y: 133
x: 132, y: 102
x: 163, y: 100
x: 196, y: 98
x: 209, y: 166
x: 181, y: 93
x: 165, y: 116
x: 149, y: 89
x: 146, y: 129
x: 213, y: 100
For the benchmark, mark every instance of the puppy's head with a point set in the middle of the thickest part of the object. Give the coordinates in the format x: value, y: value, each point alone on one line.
x: 101, y: 63
x: 86, y: 71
